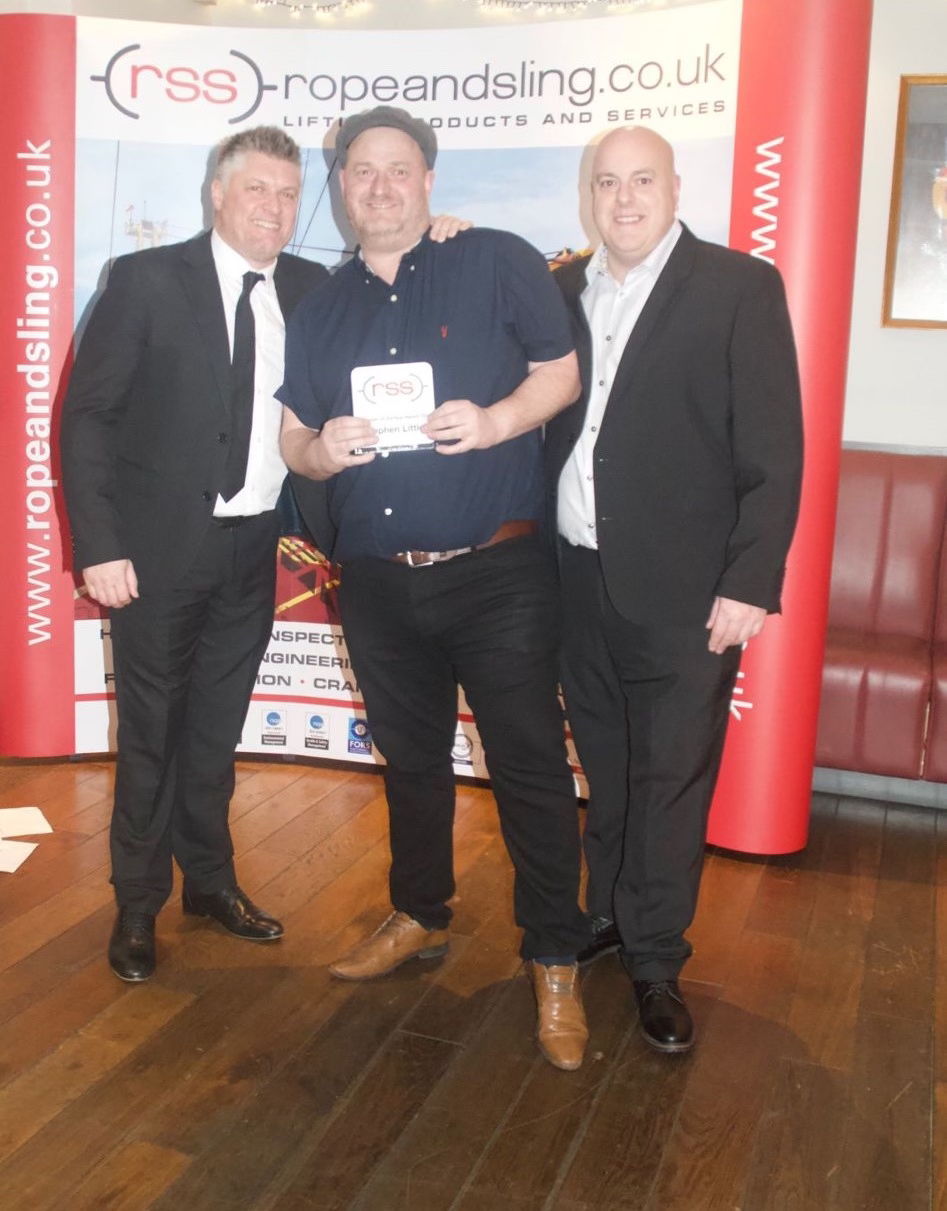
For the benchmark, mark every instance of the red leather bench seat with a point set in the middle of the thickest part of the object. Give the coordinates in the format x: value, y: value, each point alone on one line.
x: 875, y: 694
x: 877, y: 679
x: 935, y: 767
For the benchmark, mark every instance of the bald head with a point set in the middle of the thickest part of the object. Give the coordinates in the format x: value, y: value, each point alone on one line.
x: 635, y: 192
x: 638, y: 141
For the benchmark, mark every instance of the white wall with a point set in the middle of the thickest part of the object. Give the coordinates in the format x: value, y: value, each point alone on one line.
x: 897, y: 381
x: 897, y: 377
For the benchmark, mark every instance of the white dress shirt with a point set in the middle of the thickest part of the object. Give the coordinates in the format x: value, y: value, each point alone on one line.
x: 612, y: 309
x: 265, y: 467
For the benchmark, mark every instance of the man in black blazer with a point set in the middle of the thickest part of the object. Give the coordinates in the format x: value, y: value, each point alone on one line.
x: 674, y: 485
x: 171, y: 471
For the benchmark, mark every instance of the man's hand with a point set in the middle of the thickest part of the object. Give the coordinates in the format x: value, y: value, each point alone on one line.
x: 111, y: 584
x: 334, y: 445
x: 459, y: 425
x: 325, y: 453
x: 446, y: 226
x: 733, y: 622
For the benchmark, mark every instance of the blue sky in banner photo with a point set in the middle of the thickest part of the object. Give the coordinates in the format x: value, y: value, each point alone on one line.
x: 533, y: 191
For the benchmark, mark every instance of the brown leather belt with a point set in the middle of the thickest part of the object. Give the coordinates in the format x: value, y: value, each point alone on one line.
x: 422, y: 559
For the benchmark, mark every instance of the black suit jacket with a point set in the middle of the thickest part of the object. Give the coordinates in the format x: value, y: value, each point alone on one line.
x: 698, y: 461
x: 146, y: 417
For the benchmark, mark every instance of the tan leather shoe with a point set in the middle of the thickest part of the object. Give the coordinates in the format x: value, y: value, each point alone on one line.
x: 394, y: 942
x: 562, y: 1031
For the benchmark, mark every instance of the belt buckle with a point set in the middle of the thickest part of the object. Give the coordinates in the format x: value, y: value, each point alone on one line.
x: 424, y: 563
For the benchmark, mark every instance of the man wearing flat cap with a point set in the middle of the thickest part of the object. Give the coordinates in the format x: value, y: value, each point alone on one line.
x: 416, y: 384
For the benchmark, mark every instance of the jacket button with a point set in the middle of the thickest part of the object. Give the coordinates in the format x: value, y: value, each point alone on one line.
x: 205, y: 495
x: 221, y: 437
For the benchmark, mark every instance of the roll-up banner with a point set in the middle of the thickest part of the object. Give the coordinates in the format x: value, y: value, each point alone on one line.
x: 106, y: 150
x: 37, y: 171
x: 796, y: 175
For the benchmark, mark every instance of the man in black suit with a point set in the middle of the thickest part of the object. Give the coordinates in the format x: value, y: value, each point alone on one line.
x: 171, y: 470
x: 674, y: 482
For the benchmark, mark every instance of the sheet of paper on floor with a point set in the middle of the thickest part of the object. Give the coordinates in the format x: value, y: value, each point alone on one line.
x: 23, y: 822
x: 13, y: 854
x: 19, y: 822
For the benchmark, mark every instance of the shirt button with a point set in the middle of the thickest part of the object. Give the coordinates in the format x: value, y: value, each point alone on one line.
x: 608, y: 338
x: 387, y: 512
x: 394, y: 298
x: 594, y: 429
x: 412, y: 269
x: 601, y: 382
x: 392, y: 351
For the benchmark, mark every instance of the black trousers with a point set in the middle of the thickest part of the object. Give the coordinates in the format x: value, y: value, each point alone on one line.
x: 648, y: 707
x: 185, y: 657
x: 488, y: 621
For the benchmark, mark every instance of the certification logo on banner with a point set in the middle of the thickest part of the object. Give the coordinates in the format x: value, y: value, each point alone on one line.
x: 317, y: 732
x: 463, y: 750
x: 273, y: 731
x: 360, y: 738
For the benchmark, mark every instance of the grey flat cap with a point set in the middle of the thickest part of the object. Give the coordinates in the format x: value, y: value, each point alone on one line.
x: 387, y: 115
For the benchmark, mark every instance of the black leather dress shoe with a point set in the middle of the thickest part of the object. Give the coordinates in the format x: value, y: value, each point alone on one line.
x: 235, y: 911
x: 132, y: 946
x: 605, y: 941
x: 666, y: 1022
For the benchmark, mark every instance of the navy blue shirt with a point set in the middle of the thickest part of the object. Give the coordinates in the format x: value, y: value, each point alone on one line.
x: 479, y: 308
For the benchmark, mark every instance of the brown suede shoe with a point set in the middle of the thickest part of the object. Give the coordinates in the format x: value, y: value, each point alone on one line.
x: 562, y: 1031
x: 394, y: 942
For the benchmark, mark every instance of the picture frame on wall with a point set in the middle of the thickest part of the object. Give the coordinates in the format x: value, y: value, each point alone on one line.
x: 915, y: 293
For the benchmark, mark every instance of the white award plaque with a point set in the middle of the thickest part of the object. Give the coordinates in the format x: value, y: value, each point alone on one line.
x: 397, y: 399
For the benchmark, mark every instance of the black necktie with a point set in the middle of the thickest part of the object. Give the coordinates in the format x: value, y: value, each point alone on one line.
x: 241, y: 405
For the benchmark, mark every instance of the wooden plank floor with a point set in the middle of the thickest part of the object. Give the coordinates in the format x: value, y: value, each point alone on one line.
x: 243, y: 1078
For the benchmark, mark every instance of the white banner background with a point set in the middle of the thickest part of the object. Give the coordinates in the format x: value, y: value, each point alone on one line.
x: 152, y: 100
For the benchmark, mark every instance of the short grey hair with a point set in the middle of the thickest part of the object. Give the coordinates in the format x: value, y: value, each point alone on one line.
x: 268, y: 140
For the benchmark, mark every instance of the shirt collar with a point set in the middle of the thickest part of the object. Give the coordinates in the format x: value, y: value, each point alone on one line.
x: 232, y: 264
x: 653, y: 263
x: 407, y: 258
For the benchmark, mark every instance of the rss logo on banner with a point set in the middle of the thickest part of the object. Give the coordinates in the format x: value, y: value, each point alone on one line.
x: 132, y: 80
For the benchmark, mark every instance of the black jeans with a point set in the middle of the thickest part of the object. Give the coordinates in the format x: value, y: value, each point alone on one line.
x: 648, y: 706
x: 489, y: 622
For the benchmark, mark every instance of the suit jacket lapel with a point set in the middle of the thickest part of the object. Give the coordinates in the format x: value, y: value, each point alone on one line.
x: 199, y: 277
x: 673, y: 275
